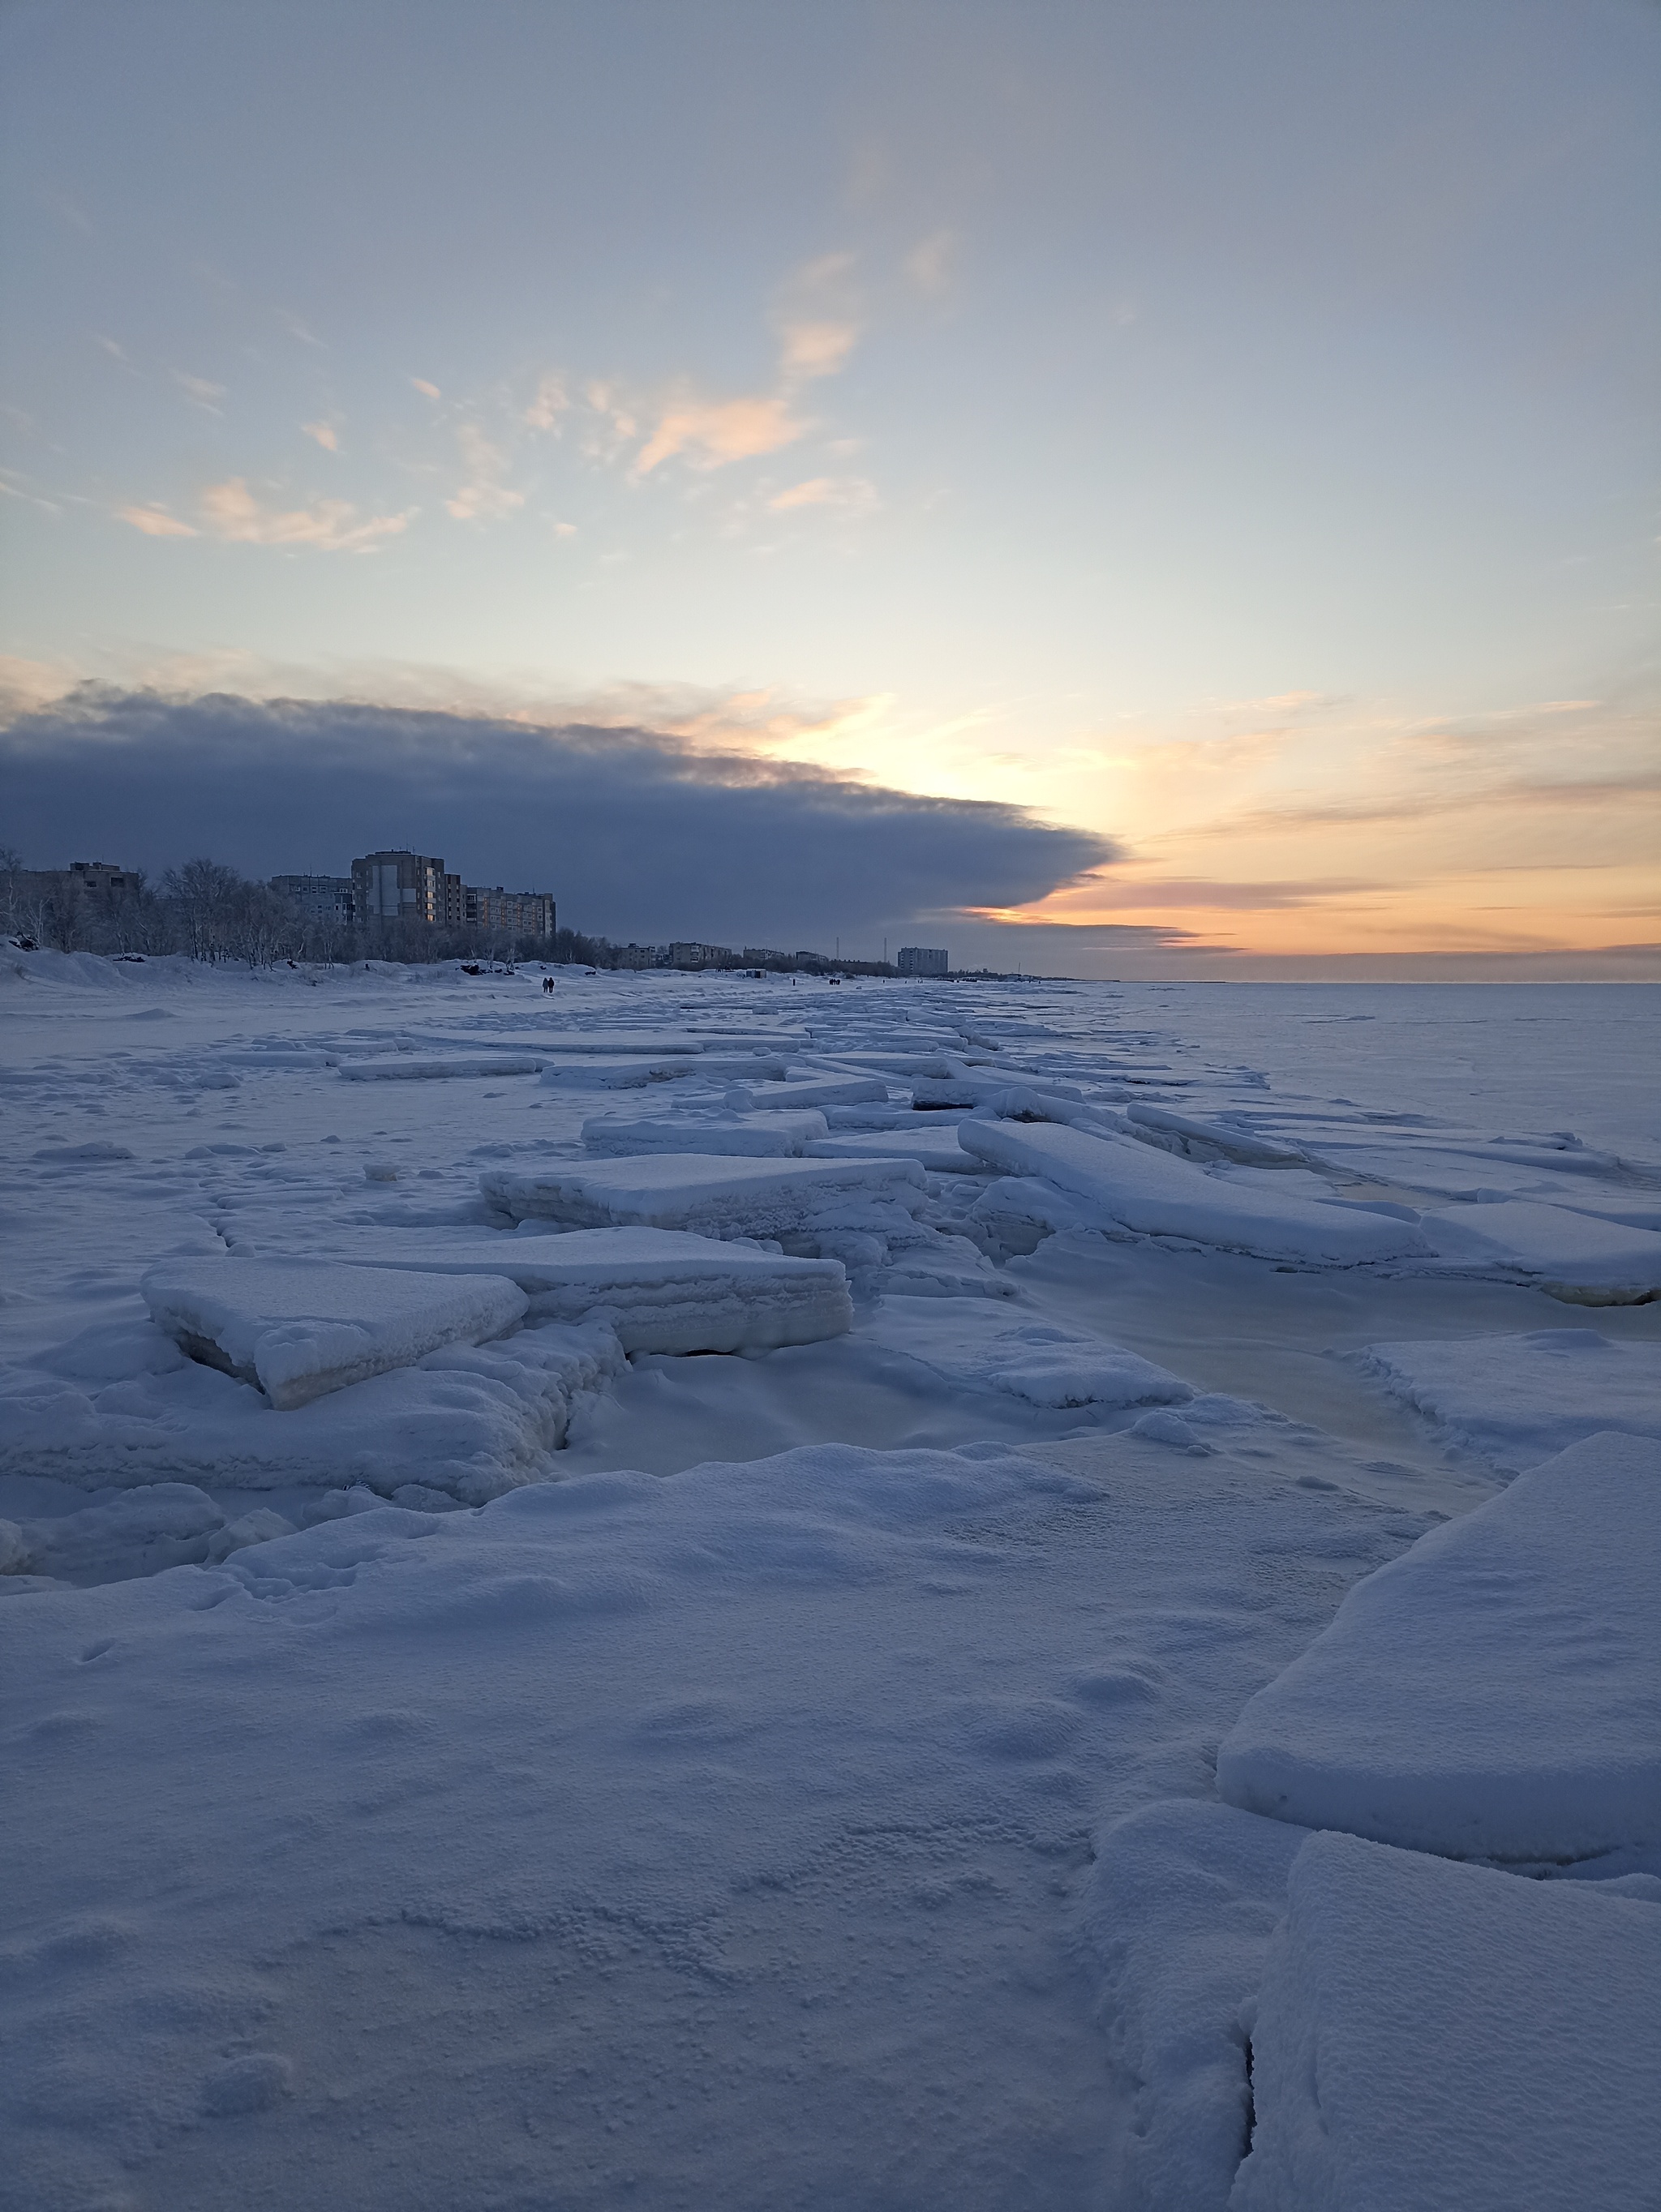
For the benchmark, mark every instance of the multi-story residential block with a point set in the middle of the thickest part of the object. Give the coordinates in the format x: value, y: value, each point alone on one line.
x: 321, y: 898
x: 923, y: 960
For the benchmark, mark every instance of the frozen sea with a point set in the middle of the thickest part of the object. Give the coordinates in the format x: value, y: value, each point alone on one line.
x: 690, y: 1591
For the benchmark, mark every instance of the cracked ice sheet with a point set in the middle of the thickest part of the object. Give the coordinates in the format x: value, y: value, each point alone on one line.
x: 1518, y: 1399
x: 596, y: 1896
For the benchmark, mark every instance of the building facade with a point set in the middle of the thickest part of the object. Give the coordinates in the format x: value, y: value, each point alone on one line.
x: 402, y: 886
x: 321, y: 898
x: 923, y: 960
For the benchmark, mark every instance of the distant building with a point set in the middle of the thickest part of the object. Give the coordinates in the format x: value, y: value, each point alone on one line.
x: 514, y: 914
x: 321, y: 898
x: 763, y: 956
x: 404, y: 886
x: 701, y: 956
x: 923, y: 960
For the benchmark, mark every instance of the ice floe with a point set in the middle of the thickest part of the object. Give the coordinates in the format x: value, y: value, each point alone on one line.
x: 1495, y: 1693
x: 773, y: 1199
x: 1431, y: 2035
x: 300, y: 1328
x: 749, y: 1136
x: 1517, y: 1399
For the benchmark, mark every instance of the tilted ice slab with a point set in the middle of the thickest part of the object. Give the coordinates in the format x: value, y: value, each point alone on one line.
x: 659, y: 1289
x: 300, y: 1328
x: 730, y: 1198
x: 1158, y: 1195
x: 633, y: 1072
x: 1575, y: 1256
x: 1179, y: 1908
x: 979, y: 1345
x: 412, y: 1066
x: 1495, y: 1693
x: 1432, y: 2037
x: 937, y: 1149
x: 470, y: 1422
x: 818, y: 1090
x: 1517, y: 1399
x: 762, y: 1136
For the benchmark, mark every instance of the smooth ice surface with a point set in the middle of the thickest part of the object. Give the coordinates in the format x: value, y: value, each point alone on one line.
x: 1517, y: 1399
x: 937, y: 1150
x: 415, y: 1067
x: 988, y: 1346
x: 1493, y: 1694
x: 661, y: 1290
x: 1158, y: 1195
x: 302, y: 1328
x: 1453, y: 2039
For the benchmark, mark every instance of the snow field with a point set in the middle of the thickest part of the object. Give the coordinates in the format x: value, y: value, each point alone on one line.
x: 725, y: 1835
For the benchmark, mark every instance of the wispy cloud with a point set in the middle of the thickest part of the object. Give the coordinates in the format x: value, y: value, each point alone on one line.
x: 551, y: 403
x: 483, y: 496
x: 710, y: 433
x: 154, y: 522
x: 427, y: 391
x: 846, y: 494
x: 325, y: 435
x: 231, y: 512
x: 199, y: 390
x: 931, y: 263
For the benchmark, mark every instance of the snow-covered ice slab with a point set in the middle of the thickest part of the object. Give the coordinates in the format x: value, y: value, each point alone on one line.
x: 661, y: 1290
x: 818, y: 1090
x: 977, y: 1344
x: 1432, y: 2037
x: 731, y: 1198
x: 1495, y: 1693
x: 299, y: 1328
x: 633, y: 1072
x: 1575, y: 1256
x: 1157, y: 1195
x: 1179, y: 1908
x: 1517, y: 1399
x: 415, y: 1067
x: 760, y: 1136
x: 937, y: 1149
x: 470, y: 1422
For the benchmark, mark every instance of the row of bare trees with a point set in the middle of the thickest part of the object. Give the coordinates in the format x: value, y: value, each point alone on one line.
x: 210, y: 912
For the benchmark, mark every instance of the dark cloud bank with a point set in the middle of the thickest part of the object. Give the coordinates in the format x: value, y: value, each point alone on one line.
x: 636, y: 835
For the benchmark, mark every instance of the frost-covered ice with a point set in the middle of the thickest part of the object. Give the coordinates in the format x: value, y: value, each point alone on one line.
x: 758, y: 1136
x: 1446, y: 2036
x: 1158, y: 1195
x: 1518, y: 1399
x: 731, y: 1198
x: 1493, y: 1694
x: 403, y: 1068
x: 828, y: 1816
x: 661, y: 1290
x: 1570, y: 1253
x: 302, y: 1328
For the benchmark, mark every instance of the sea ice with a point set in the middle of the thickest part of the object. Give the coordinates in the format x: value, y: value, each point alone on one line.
x: 1574, y: 1255
x: 1157, y: 1195
x: 1181, y: 1903
x: 725, y: 1198
x: 937, y: 1149
x: 659, y: 1289
x: 757, y: 1136
x: 1495, y: 1693
x: 815, y: 1090
x: 1453, y: 2039
x: 300, y: 1328
x: 986, y: 1346
x: 412, y: 1066
x: 1517, y: 1399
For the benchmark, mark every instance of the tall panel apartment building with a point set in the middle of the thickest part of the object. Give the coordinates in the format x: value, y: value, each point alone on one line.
x: 922, y: 960
x: 321, y: 898
x: 402, y: 886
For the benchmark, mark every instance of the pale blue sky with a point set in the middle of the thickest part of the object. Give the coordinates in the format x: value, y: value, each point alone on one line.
x: 1062, y: 381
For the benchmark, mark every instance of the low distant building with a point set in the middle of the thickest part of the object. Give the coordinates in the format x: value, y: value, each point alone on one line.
x: 331, y: 899
x: 511, y: 914
x: 689, y: 955
x: 763, y: 956
x: 923, y: 960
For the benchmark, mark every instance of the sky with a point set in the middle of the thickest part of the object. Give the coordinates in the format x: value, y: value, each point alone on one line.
x: 1115, y: 489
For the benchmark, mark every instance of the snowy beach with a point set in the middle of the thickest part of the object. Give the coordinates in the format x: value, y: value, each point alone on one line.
x: 706, y: 1592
